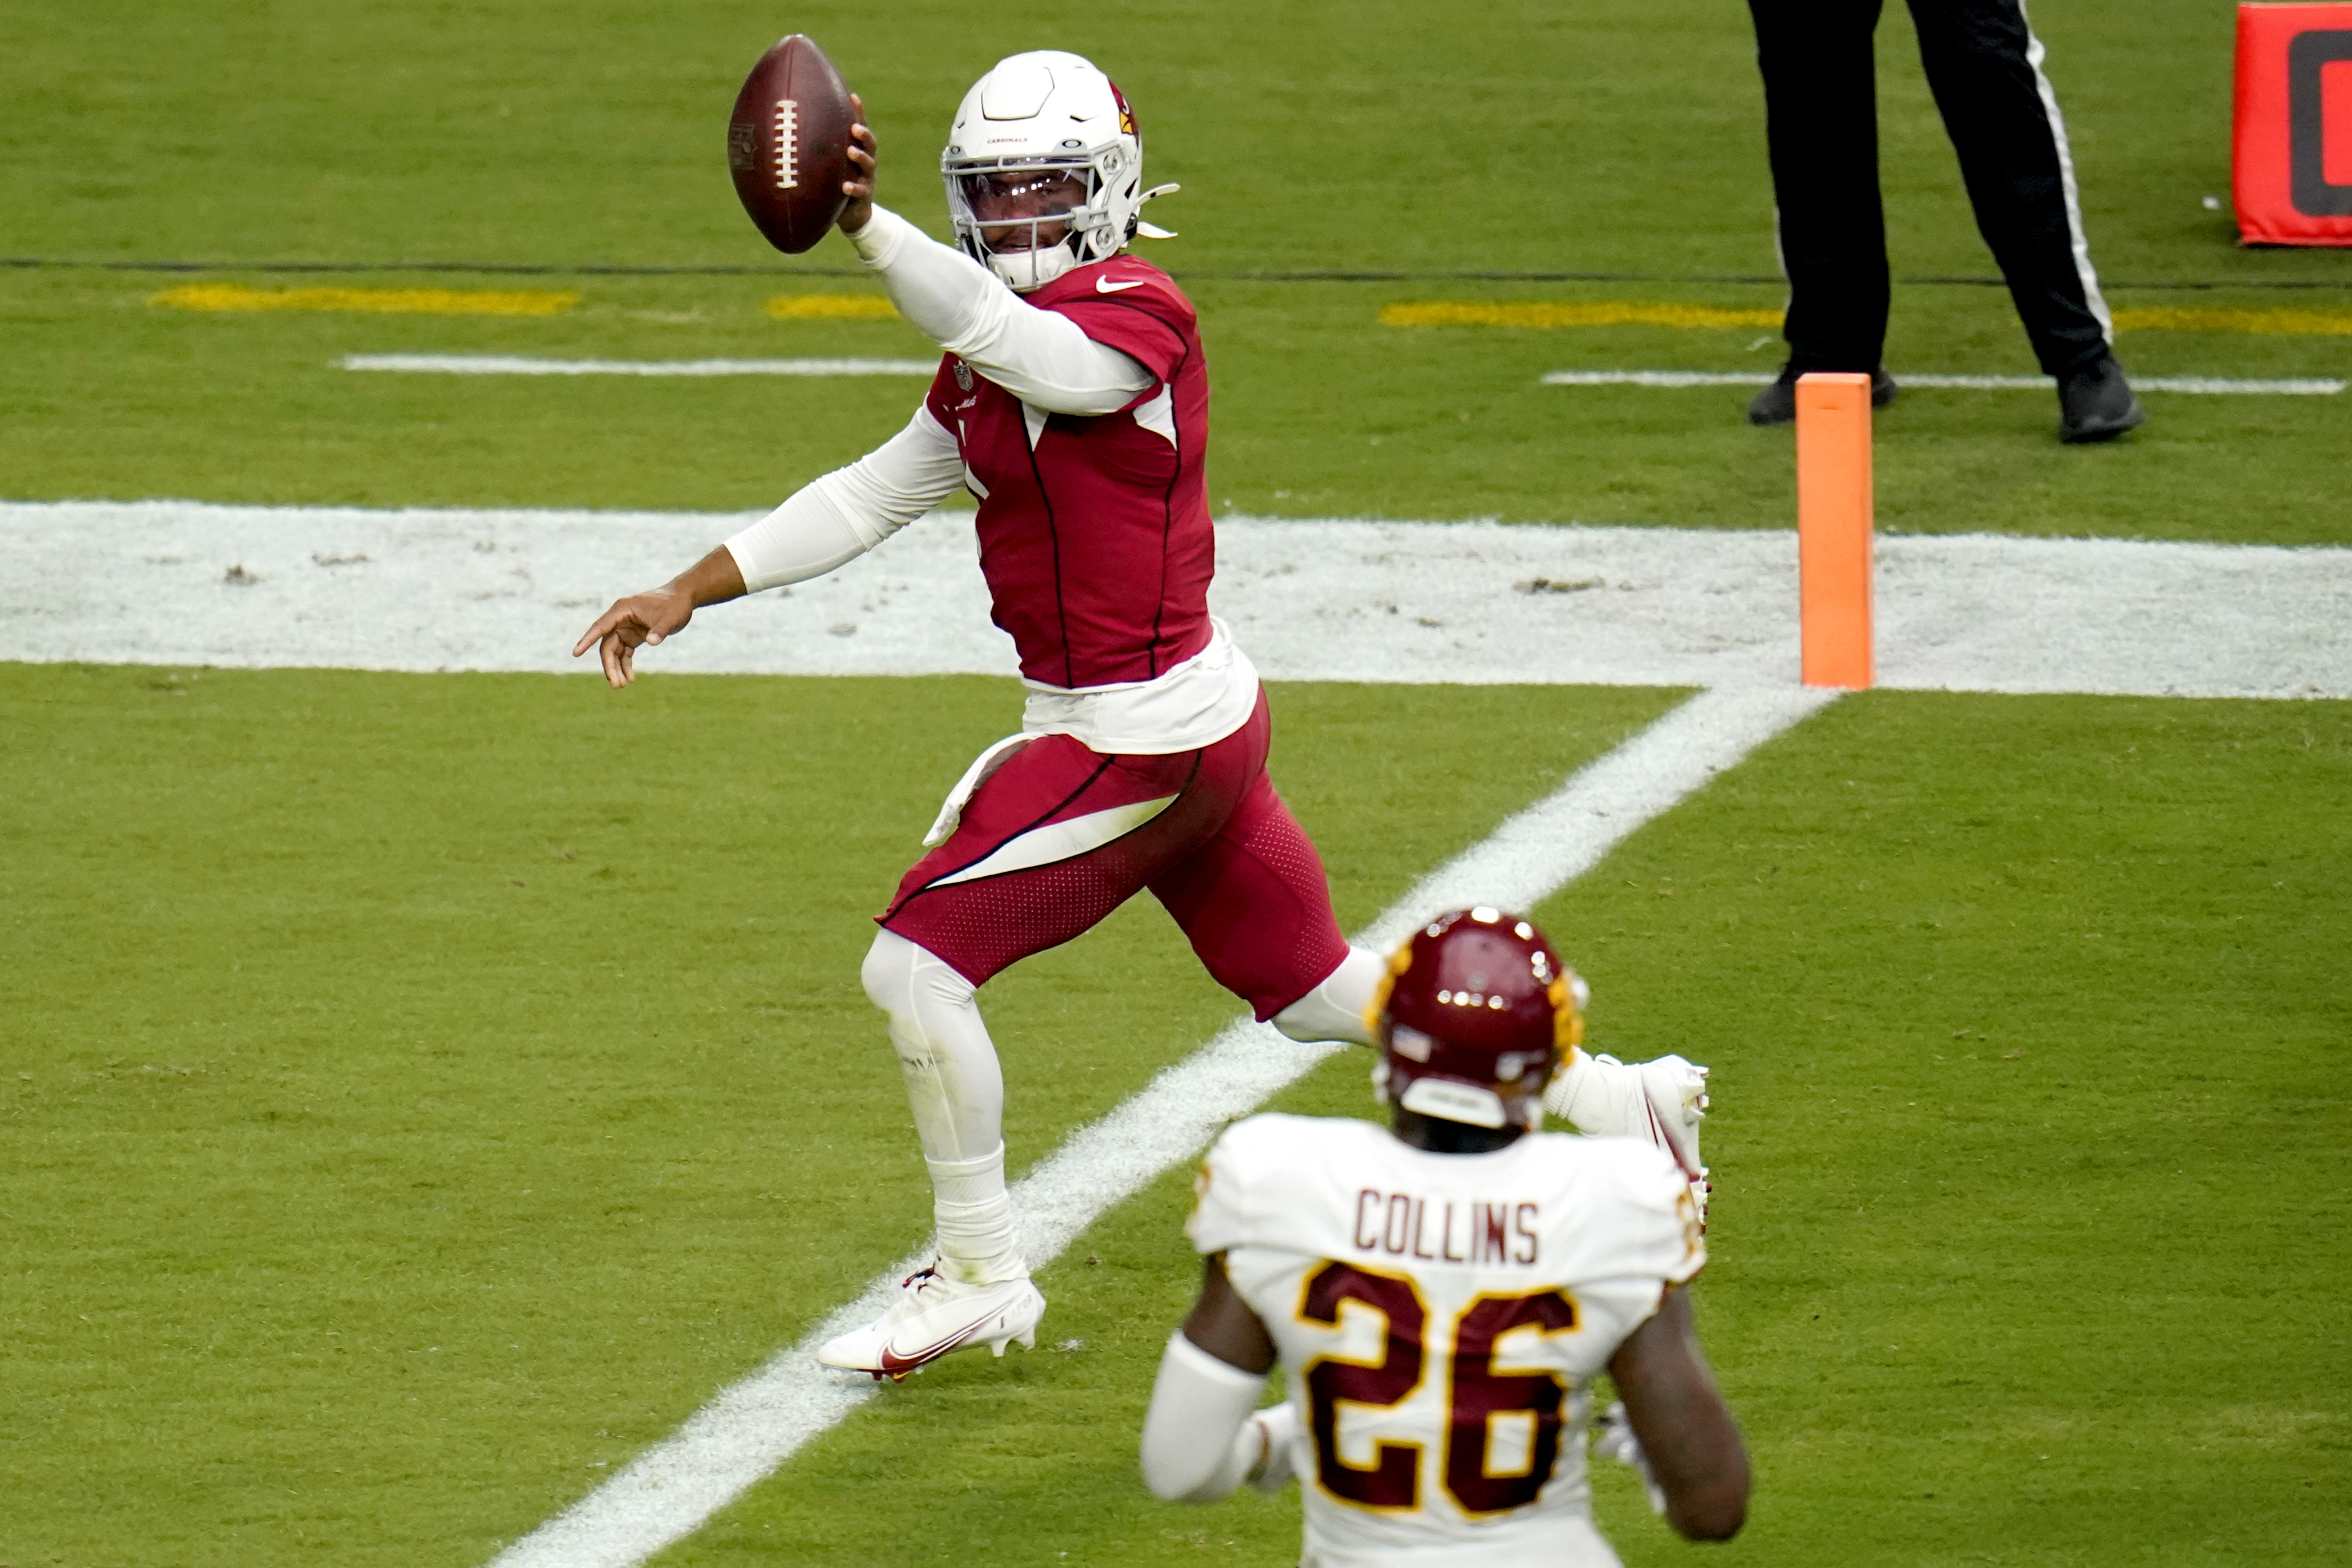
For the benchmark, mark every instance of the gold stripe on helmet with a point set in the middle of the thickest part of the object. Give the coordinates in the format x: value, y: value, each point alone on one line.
x: 1567, y: 1017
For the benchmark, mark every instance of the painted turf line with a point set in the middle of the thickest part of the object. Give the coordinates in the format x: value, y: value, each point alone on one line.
x: 179, y: 583
x: 511, y: 365
x: 2290, y: 386
x: 515, y: 364
x: 754, y: 1427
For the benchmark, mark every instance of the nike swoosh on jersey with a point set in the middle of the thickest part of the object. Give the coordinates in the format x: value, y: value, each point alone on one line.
x: 1105, y: 286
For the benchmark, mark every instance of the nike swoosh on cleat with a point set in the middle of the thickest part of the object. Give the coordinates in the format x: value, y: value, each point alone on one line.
x: 1105, y: 286
x: 897, y: 1365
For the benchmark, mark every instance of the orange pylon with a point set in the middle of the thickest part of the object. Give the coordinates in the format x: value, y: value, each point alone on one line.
x: 1833, y: 528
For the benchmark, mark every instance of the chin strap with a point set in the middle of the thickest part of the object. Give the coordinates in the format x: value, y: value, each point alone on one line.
x: 1024, y: 272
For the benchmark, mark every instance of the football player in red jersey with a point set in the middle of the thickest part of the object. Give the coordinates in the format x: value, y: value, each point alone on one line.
x: 1072, y: 401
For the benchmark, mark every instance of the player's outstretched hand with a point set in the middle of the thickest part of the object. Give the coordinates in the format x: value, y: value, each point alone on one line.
x: 646, y: 618
x: 859, y: 187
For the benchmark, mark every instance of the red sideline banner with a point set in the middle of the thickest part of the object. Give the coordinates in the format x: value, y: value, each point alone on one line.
x: 2291, y: 163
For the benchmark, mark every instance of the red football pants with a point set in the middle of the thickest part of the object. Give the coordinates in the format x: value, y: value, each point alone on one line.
x: 1060, y: 836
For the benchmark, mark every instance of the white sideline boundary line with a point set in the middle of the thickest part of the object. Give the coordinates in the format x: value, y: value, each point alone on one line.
x: 2290, y: 386
x: 754, y: 1427
x: 514, y: 365
x: 187, y: 583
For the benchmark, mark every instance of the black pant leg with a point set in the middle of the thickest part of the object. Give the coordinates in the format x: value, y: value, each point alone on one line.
x: 1821, y: 118
x: 1983, y: 64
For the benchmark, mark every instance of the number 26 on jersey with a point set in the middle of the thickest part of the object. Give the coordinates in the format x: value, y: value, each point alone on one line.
x: 1474, y: 1392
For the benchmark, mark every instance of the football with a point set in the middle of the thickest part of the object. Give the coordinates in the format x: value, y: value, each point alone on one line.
x: 788, y: 144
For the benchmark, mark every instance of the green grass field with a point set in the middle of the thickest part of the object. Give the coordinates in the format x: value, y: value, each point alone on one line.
x: 417, y: 1094
x: 388, y: 1161
x: 1625, y: 139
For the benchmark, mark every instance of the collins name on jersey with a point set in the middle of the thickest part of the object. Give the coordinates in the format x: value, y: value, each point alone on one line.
x: 1440, y: 1317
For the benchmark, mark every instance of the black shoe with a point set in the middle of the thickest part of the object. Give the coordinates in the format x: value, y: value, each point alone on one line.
x: 2096, y: 403
x: 1777, y: 403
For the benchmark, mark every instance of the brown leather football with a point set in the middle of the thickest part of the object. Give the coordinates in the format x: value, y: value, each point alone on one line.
x: 788, y: 144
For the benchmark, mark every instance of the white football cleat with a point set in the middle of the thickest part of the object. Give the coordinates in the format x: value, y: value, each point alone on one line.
x: 935, y: 1316
x: 1676, y: 1092
x: 1663, y: 1101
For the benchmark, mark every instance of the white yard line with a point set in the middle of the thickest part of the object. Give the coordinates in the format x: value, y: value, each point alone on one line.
x: 1666, y: 378
x: 1331, y: 599
x: 511, y: 365
x: 751, y: 1428
x: 2290, y: 386
x: 515, y: 364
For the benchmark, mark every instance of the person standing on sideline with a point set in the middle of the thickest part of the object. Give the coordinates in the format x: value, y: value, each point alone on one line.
x: 1984, y: 66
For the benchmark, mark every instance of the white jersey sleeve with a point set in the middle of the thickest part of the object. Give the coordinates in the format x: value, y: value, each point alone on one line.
x: 1222, y: 1192
x: 1042, y: 357
x: 831, y: 521
x: 1440, y: 1317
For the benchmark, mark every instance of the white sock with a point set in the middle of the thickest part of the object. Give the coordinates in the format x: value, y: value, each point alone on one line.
x: 976, y: 1219
x: 1334, y: 1010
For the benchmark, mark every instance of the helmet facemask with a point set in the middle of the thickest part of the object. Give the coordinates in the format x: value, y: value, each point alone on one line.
x: 1031, y: 221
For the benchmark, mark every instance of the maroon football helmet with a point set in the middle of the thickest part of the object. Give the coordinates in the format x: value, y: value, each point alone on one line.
x: 1474, y: 1013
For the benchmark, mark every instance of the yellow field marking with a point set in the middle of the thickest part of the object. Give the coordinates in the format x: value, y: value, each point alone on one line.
x: 2283, y: 323
x: 1595, y: 313
x: 399, y: 301
x: 830, y: 308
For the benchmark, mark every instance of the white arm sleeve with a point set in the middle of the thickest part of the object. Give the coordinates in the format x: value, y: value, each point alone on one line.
x: 850, y: 510
x: 1041, y: 357
x: 1199, y: 1442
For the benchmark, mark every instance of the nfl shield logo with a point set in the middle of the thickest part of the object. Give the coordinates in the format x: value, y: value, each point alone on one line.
x: 963, y: 375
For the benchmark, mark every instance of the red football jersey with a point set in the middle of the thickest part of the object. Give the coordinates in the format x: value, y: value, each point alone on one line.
x: 1094, y: 531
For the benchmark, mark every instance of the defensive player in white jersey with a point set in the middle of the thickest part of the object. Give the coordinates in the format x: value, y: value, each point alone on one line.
x: 1072, y: 401
x: 1443, y: 1294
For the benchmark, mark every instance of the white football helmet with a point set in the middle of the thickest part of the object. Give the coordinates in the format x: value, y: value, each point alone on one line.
x: 1053, y: 116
